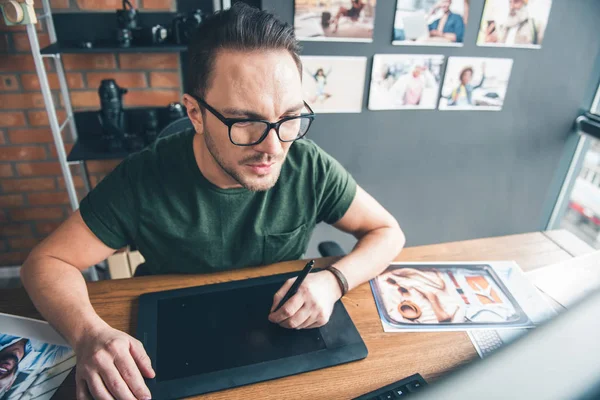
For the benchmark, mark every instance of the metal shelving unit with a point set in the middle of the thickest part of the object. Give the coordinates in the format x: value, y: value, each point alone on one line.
x: 60, y: 48
x: 56, y: 127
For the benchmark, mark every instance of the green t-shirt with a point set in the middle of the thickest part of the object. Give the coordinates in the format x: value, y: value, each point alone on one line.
x: 158, y: 201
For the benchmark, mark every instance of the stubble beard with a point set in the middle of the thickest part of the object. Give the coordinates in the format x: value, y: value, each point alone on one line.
x: 254, y: 184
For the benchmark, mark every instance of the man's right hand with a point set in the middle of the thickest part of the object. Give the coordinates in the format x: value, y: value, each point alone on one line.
x: 110, y: 365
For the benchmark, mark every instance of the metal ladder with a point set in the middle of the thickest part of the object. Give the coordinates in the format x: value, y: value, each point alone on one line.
x: 57, y: 128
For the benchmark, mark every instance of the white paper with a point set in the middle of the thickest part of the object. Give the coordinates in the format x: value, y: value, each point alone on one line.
x: 570, y: 281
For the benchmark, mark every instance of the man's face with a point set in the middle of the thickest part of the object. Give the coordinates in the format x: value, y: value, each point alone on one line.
x: 417, y: 72
x: 515, y: 5
x: 445, y: 5
x: 261, y: 84
x: 9, y: 360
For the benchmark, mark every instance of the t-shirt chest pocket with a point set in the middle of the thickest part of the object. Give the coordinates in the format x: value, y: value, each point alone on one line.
x: 285, y: 246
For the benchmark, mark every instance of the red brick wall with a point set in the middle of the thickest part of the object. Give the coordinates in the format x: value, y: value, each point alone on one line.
x: 33, y: 199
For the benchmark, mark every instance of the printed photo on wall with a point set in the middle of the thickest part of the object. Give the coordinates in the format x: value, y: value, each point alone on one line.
x: 334, y: 20
x: 475, y: 83
x: 430, y: 22
x: 514, y: 23
x: 405, y: 81
x: 334, y: 84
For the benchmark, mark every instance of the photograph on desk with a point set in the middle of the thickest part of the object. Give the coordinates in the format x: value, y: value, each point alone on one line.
x: 430, y: 22
x: 457, y: 296
x: 514, y: 23
x: 334, y: 84
x: 334, y: 20
x: 475, y: 83
x: 32, y: 364
x: 408, y: 82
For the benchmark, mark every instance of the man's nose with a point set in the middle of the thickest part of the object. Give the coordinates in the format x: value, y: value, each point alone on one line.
x: 271, y: 143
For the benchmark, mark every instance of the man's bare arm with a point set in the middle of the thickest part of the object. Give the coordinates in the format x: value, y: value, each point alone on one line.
x: 109, y: 361
x: 380, y: 239
x: 52, y: 277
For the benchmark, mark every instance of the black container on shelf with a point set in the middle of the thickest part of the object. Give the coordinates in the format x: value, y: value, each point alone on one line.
x: 159, y: 35
x: 127, y: 18
x: 184, y: 26
x: 127, y: 25
x: 124, y: 37
x: 111, y: 106
x: 140, y: 127
x: 151, y: 126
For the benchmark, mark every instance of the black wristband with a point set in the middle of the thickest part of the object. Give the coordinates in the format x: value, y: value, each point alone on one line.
x: 340, y: 278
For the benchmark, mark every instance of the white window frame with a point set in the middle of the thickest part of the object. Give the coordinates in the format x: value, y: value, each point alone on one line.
x: 596, y: 103
x: 575, y: 167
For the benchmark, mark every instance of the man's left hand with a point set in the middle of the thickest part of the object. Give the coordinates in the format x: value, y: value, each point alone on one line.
x: 312, y: 304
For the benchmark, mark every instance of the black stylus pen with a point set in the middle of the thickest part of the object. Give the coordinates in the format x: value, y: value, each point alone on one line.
x: 297, y: 283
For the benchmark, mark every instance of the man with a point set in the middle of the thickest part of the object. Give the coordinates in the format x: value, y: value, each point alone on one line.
x: 237, y: 191
x: 449, y: 26
x: 12, y: 351
x: 519, y: 29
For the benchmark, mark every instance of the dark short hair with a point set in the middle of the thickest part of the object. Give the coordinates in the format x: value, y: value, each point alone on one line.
x: 241, y: 27
x: 465, y: 70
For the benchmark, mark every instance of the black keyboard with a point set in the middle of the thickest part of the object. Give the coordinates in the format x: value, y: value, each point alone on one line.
x: 397, y: 390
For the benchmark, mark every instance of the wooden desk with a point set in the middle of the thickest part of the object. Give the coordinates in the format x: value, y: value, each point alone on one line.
x: 392, y: 356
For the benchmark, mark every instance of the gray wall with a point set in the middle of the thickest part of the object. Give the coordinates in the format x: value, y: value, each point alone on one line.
x: 458, y: 175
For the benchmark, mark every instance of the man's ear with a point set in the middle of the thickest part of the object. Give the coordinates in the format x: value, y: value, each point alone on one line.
x: 193, y: 112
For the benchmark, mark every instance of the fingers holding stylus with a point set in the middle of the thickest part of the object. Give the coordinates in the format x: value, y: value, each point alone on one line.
x: 281, y: 293
x: 288, y: 309
x: 319, y: 316
x: 312, y: 304
x: 297, y: 313
x: 312, y: 320
x: 299, y: 318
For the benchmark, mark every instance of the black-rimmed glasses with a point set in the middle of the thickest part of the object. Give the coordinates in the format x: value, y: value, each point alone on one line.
x: 250, y: 132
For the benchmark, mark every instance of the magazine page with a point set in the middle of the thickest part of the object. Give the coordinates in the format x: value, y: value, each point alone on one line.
x: 455, y: 296
x: 34, y: 358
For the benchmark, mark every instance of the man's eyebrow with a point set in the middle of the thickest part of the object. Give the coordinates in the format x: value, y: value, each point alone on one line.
x: 297, y: 107
x: 243, y: 113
